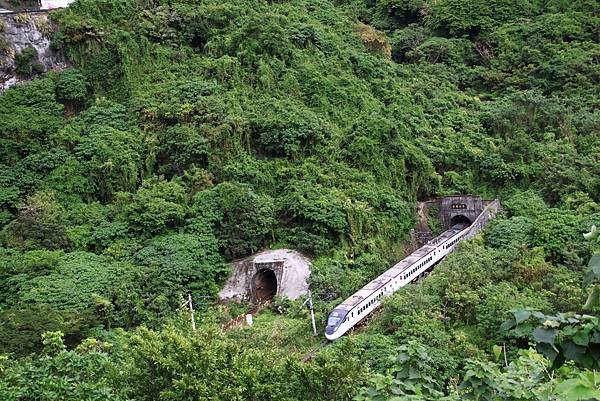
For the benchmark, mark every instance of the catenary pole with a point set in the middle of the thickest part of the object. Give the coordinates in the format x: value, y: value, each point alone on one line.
x: 312, y: 313
x: 189, y: 302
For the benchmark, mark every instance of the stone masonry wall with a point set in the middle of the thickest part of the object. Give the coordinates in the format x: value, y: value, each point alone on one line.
x: 19, y: 34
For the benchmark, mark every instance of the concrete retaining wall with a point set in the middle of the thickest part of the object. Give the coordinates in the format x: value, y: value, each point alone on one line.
x: 488, y: 213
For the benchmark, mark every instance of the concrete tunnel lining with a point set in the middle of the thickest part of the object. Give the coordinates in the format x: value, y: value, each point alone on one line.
x: 265, y: 285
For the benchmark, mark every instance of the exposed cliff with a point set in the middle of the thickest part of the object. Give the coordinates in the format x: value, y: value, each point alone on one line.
x: 25, y: 49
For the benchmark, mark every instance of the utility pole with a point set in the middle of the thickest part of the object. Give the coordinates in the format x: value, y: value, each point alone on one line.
x: 312, y: 312
x: 190, y: 305
x: 192, y: 311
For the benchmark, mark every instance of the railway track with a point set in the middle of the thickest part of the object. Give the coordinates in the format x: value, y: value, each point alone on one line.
x: 241, y: 319
x: 11, y: 12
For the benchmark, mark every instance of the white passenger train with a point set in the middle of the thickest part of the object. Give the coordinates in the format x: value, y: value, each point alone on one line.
x: 354, y: 309
x: 53, y: 4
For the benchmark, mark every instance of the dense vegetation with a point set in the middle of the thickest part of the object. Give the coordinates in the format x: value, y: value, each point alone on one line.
x: 192, y: 132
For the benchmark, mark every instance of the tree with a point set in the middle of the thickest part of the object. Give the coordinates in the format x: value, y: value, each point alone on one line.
x: 185, y: 263
x: 157, y: 206
x: 239, y: 217
x: 112, y: 158
x: 71, y: 86
x: 512, y: 233
x: 38, y: 225
x: 80, y: 374
x: 285, y: 129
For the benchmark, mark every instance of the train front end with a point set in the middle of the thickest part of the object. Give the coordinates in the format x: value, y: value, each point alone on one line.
x: 335, y: 324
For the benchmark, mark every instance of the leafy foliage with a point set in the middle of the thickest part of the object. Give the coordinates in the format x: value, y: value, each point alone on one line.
x: 241, y: 218
x: 156, y: 206
x: 192, y: 132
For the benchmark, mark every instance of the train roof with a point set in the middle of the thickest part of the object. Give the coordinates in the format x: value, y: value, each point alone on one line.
x: 399, y: 267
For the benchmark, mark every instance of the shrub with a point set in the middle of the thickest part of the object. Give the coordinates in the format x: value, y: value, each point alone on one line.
x: 185, y: 263
x: 242, y: 219
x: 283, y: 128
x: 71, y: 86
x: 156, y: 206
x: 375, y: 41
x: 512, y: 233
x: 111, y: 159
x: 458, y: 17
x: 25, y: 61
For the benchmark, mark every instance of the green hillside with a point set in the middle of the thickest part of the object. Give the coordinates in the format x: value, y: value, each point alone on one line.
x: 189, y: 133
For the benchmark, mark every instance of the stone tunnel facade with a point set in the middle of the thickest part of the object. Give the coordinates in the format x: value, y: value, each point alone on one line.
x: 459, y: 208
x: 260, y: 277
x: 451, y: 210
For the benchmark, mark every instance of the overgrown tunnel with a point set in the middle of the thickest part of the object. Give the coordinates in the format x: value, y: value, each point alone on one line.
x: 265, y: 285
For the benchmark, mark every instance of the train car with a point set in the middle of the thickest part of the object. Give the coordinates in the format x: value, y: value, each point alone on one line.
x: 354, y: 309
x: 53, y: 4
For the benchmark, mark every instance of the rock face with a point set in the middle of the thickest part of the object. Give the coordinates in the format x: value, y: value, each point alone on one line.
x: 25, y: 48
x: 260, y: 277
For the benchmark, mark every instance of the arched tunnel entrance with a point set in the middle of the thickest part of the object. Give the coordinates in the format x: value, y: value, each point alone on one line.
x: 265, y: 285
x: 460, y: 219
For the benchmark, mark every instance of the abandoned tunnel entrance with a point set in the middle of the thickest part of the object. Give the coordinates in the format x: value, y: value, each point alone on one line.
x: 265, y: 285
x: 460, y: 219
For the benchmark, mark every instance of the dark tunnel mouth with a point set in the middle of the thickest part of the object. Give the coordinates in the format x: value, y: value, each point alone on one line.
x: 265, y: 285
x: 460, y: 219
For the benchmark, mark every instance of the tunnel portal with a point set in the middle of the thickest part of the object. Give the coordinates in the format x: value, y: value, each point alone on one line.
x: 265, y: 285
x: 460, y: 219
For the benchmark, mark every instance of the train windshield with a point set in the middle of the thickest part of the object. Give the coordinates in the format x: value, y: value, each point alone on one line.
x: 333, y: 320
x: 336, y: 317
